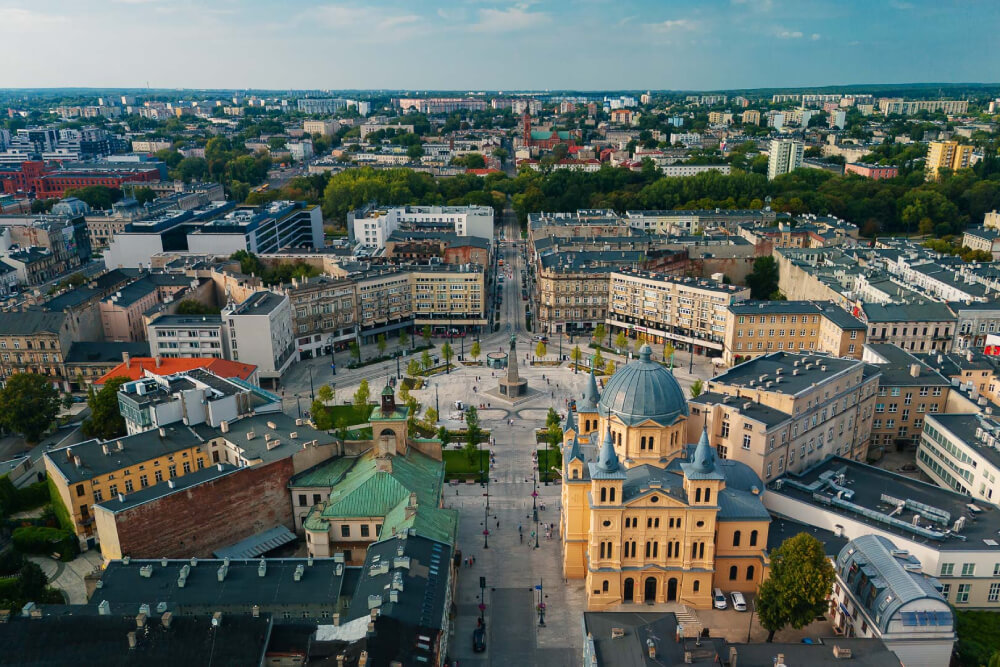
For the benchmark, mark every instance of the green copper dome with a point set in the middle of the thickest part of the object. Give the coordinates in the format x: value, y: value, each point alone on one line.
x: 643, y: 390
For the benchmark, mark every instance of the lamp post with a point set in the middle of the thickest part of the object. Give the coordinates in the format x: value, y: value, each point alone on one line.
x: 691, y: 357
x: 534, y: 501
x: 312, y: 390
x: 398, y: 376
x: 486, y: 528
x: 437, y: 406
x: 541, y: 604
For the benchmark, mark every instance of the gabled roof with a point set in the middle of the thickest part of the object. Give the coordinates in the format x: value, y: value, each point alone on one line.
x: 136, y: 367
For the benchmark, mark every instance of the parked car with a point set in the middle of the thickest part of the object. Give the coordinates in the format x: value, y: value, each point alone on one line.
x: 479, y: 640
x: 739, y: 603
x: 719, y: 599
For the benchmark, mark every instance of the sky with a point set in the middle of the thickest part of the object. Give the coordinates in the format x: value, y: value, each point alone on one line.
x: 471, y: 45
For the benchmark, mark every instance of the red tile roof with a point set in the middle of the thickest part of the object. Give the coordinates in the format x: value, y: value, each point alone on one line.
x: 221, y: 367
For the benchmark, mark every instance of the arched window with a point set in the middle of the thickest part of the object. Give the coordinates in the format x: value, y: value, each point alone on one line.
x: 696, y: 585
x: 708, y: 495
x: 732, y: 573
x: 602, y: 549
x: 697, y: 495
x: 753, y: 538
x: 612, y: 494
x: 736, y: 539
x: 656, y: 549
x: 642, y: 442
x: 604, y: 586
x: 576, y: 474
x: 750, y: 573
x: 604, y: 495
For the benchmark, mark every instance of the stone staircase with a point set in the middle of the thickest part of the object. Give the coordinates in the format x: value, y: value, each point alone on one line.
x: 685, y: 616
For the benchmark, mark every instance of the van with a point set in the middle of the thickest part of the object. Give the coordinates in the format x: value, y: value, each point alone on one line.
x: 719, y: 599
x: 739, y: 604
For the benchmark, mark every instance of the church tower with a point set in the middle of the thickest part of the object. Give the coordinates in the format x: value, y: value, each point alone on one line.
x: 526, y: 128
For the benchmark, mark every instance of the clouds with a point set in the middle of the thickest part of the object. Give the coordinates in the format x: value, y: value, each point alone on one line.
x: 788, y: 34
x: 18, y: 19
x: 672, y: 25
x: 518, y: 17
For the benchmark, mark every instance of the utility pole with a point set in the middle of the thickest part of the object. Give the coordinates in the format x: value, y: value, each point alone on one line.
x: 486, y: 528
x: 534, y: 501
x: 437, y: 406
x: 541, y: 603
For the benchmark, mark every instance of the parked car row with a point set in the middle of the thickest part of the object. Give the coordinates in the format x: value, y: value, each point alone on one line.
x: 719, y: 600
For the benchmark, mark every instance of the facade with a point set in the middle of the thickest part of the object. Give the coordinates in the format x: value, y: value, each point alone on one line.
x: 985, y: 239
x: 187, y: 336
x: 784, y: 411
x: 946, y: 155
x: 873, y: 171
x: 259, y: 332
x: 324, y: 314
x: 882, y: 592
x: 122, y: 312
x: 976, y: 321
x: 46, y: 182
x: 431, y: 105
x: 35, y: 342
x: 652, y: 518
x: 755, y: 328
x: 372, y: 227
x: 959, y: 452
x: 897, y: 105
x: 785, y: 156
x: 951, y: 536
x: 664, y: 308
x: 915, y: 327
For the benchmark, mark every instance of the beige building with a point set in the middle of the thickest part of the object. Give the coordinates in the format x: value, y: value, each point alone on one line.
x: 755, y: 328
x: 324, y: 313
x: 326, y: 128
x: 571, y: 299
x: 946, y: 155
x: 663, y: 308
x: 915, y: 327
x: 785, y: 412
x: 750, y: 117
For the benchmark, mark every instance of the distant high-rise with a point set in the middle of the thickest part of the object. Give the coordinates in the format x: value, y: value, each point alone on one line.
x: 946, y: 155
x: 786, y: 156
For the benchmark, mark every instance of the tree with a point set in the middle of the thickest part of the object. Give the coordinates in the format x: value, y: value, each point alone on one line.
x: 28, y: 404
x: 380, y: 343
x: 414, y: 152
x: 192, y: 307
x: 696, y: 388
x: 355, y: 350
x: 105, y: 421
x: 540, y: 349
x: 553, y: 438
x: 404, y: 338
x: 473, y: 433
x: 610, y: 368
x: 425, y: 360
x: 443, y: 435
x: 475, y: 351
x: 621, y: 341
x: 96, y: 196
x: 597, y: 361
x: 404, y: 394
x: 575, y: 354
x: 361, y: 395
x: 425, y: 333
x: 326, y: 393
x: 599, y: 333
x: 796, y: 591
x: 431, y: 416
x: 763, y: 280
x: 668, y: 351
x: 143, y: 195
x: 447, y: 351
x: 413, y: 368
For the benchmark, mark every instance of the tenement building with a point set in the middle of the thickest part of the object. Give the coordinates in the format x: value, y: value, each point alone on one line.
x: 654, y: 519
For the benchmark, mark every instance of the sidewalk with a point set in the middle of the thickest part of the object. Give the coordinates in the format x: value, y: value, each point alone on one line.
x: 68, y: 577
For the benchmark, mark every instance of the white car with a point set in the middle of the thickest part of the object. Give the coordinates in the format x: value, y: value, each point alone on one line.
x: 739, y: 603
x: 719, y: 599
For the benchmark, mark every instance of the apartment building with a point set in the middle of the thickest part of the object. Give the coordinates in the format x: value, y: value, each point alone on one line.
x: 897, y: 105
x: 447, y: 295
x: 372, y: 226
x: 785, y: 156
x: 663, y: 308
x: 259, y: 332
x: 385, y: 303
x: 915, y: 327
x: 908, y: 391
x: 324, y: 313
x: 983, y: 238
x: 875, y: 172
x: 786, y: 412
x: 755, y: 328
x: 187, y: 336
x: 34, y: 342
x: 572, y: 293
x: 946, y: 155
x: 976, y: 321
x: 961, y: 452
x: 750, y: 117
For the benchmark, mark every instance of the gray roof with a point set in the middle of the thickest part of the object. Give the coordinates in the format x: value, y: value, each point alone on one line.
x: 258, y: 424
x: 171, y: 486
x: 782, y: 528
x: 930, y: 311
x: 30, y: 322
x: 591, y: 396
x: 897, y: 369
x: 187, y: 320
x: 259, y: 303
x: 136, y: 449
x: 642, y: 391
x: 894, y: 585
x: 104, y: 352
x: 746, y: 407
x: 820, y: 369
x: 828, y: 309
x: 964, y: 427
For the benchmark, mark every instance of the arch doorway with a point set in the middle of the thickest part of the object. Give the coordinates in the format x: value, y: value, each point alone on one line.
x: 629, y: 593
x: 649, y: 590
x: 672, y: 590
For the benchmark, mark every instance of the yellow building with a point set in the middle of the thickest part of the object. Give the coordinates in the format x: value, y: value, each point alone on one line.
x: 653, y: 518
x: 946, y: 155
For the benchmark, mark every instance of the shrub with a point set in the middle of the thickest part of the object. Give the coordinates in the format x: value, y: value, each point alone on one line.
x: 40, y: 540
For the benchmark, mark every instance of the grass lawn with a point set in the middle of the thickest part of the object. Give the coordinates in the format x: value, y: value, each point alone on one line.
x: 350, y: 414
x: 551, y: 459
x: 458, y: 466
x: 978, y: 636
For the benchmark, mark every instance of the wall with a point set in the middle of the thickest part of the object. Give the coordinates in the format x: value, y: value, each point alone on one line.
x: 203, y: 518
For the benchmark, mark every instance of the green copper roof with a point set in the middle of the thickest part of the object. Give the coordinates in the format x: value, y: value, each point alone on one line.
x: 325, y: 474
x: 547, y: 134
x: 365, y: 491
x: 400, y: 414
x: 643, y: 390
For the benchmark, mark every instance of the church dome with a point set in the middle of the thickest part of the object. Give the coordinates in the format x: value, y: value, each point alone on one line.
x: 643, y: 390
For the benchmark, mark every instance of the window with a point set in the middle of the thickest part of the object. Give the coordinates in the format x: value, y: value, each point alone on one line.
x: 963, y: 593
x: 753, y: 538
x: 302, y: 500
x: 143, y: 481
x: 187, y: 467
x: 733, y: 572
x: 947, y: 569
x: 345, y: 530
x: 113, y: 490
x: 604, y: 586
x: 968, y: 569
x: 158, y: 476
x: 172, y: 470
x: 364, y: 530
x: 994, y: 592
x: 750, y: 572
x: 736, y: 538
x: 945, y: 590
x: 696, y: 586
x: 746, y: 441
x: 80, y: 490
x: 128, y: 486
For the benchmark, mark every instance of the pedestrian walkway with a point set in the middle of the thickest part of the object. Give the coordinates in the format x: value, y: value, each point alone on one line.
x: 69, y: 577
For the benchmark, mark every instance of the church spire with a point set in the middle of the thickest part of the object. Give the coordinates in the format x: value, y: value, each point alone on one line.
x: 608, y: 460
x: 574, y: 450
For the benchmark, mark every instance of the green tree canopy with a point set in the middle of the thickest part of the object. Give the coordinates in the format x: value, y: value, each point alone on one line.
x: 362, y: 394
x: 325, y: 393
x: 96, y: 196
x: 796, y: 590
x: 473, y: 432
x: 696, y: 388
x: 28, y: 404
x: 105, y: 421
x: 763, y: 280
x: 192, y: 307
x: 475, y: 350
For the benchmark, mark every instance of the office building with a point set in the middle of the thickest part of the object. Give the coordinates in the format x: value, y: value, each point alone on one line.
x: 785, y: 156
x: 372, y: 226
x: 187, y: 336
x: 960, y: 452
x: 259, y: 332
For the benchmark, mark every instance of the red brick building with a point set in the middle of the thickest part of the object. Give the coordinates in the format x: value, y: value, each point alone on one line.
x: 546, y: 139
x: 47, y: 182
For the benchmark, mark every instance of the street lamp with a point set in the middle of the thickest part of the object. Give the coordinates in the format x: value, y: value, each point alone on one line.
x: 486, y: 529
x: 398, y: 376
x: 534, y: 502
x: 437, y: 406
x: 312, y: 390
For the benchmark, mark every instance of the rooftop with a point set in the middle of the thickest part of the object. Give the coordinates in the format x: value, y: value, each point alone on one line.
x: 174, y: 485
x: 30, y: 322
x: 746, y: 407
x: 259, y: 303
x: 137, y: 366
x: 899, y: 368
x: 929, y: 311
x: 976, y: 430
x: 103, y: 352
x: 260, y: 426
x: 788, y: 373
x: 869, y: 495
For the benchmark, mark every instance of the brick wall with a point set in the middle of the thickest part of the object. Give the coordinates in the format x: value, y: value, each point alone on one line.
x: 198, y: 520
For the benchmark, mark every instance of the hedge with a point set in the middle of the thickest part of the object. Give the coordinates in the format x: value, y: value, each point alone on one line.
x: 39, y: 540
x: 62, y: 514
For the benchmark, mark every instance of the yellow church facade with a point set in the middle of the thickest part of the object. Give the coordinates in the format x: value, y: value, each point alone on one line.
x: 652, y: 518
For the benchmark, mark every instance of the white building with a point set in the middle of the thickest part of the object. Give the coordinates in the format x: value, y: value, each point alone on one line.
x: 372, y: 226
x: 785, y: 156
x: 881, y: 592
x: 187, y: 336
x: 692, y: 169
x: 259, y: 332
x: 959, y: 452
x: 838, y: 119
x: 300, y: 150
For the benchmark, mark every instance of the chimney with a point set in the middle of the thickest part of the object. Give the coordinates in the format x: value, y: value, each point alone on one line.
x: 105, y: 449
x: 166, y: 619
x: 915, y: 370
x: 224, y: 426
x: 131, y: 635
x: 126, y: 359
x: 411, y: 507
x: 140, y: 621
x: 69, y: 454
x: 363, y: 659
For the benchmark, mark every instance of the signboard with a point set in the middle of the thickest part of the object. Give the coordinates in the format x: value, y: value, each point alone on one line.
x: 992, y: 348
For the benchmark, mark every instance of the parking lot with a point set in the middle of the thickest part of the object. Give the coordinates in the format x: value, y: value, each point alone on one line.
x: 733, y: 625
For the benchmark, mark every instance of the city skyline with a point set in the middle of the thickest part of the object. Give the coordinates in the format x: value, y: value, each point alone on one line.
x: 411, y: 46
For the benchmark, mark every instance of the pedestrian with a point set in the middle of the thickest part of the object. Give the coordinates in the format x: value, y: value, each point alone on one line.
x: 519, y: 528
x: 521, y: 535
x: 498, y: 524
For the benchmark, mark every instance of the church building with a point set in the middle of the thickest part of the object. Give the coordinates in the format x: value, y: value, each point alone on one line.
x: 654, y: 518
